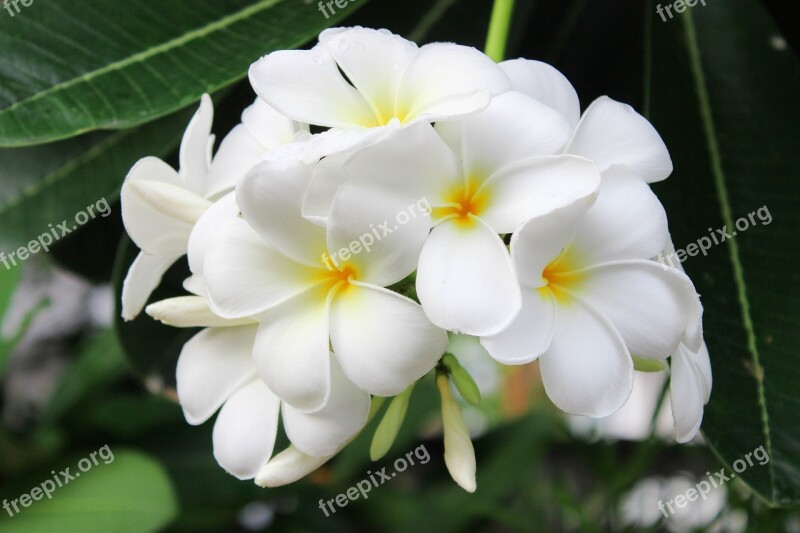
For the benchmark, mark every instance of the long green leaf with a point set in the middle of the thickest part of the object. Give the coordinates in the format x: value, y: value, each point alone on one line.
x: 71, y: 67
x: 130, y: 493
x: 723, y: 93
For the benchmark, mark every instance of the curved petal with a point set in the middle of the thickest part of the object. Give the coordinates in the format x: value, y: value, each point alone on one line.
x: 322, y: 433
x: 237, y: 154
x: 291, y: 82
x: 535, y: 187
x: 445, y: 80
x: 191, y: 312
x: 271, y: 199
x: 686, y: 395
x: 153, y: 231
x: 587, y: 370
x: 626, y: 222
x: 292, y: 350
x: 530, y: 334
x: 378, y: 234
x: 612, y: 133
x: 287, y: 467
x: 223, y: 209
x: 373, y: 61
x: 269, y: 127
x: 245, y: 276
x: 194, y: 155
x: 693, y: 338
x: 513, y: 128
x: 143, y: 277
x: 546, y: 84
x: 382, y: 340
x: 465, y: 280
x: 213, y: 365
x: 647, y: 303
x: 245, y: 430
x: 329, y: 175
x: 541, y: 240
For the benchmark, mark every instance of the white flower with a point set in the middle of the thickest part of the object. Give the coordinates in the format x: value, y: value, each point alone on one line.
x: 160, y: 206
x: 690, y: 374
x: 359, y: 79
x: 609, y: 132
x: 592, y: 297
x: 215, y: 370
x: 485, y: 175
x: 309, y: 293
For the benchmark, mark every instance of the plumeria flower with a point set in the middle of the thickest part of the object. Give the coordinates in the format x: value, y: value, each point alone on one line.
x: 609, y: 132
x: 160, y: 206
x: 592, y: 297
x: 690, y: 375
x: 313, y: 287
x: 216, y: 370
x: 359, y: 80
x: 484, y: 175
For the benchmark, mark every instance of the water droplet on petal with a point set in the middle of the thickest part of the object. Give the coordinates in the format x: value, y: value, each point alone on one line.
x: 317, y: 60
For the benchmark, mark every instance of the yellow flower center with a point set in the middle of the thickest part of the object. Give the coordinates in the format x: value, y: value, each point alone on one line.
x: 463, y: 202
x: 561, y: 277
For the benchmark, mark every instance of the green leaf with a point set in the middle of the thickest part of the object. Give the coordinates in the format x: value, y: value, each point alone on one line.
x: 130, y: 493
x: 724, y: 97
x: 42, y: 186
x: 101, y: 64
x: 390, y: 425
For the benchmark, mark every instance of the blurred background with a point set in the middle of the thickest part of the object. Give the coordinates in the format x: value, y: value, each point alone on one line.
x: 720, y: 83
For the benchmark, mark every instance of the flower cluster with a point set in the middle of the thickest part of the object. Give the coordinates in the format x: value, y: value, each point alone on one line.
x: 538, y: 237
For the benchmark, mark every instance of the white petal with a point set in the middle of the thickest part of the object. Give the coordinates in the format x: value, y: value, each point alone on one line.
x: 292, y: 350
x: 587, y: 370
x: 287, y: 467
x: 430, y: 173
x: 291, y: 82
x: 237, y: 154
x: 246, y: 276
x: 152, y: 231
x: 324, y: 432
x: 686, y: 396
x: 271, y: 198
x: 244, y: 433
x: 693, y: 338
x: 541, y: 240
x: 143, y: 277
x: 329, y: 175
x: 626, y: 221
x: 514, y: 127
x: 200, y: 239
x: 268, y: 126
x: 379, y: 234
x: 546, y: 84
x: 647, y: 303
x: 612, y: 133
x: 537, y: 186
x: 194, y: 152
x: 445, y: 80
x: 191, y: 312
x: 213, y: 365
x: 530, y: 334
x: 382, y: 340
x: 465, y: 280
x: 373, y: 61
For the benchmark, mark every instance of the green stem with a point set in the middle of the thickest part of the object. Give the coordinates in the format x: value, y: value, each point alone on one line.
x: 498, y: 29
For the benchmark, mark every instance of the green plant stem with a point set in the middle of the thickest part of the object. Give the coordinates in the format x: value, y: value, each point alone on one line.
x: 498, y: 29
